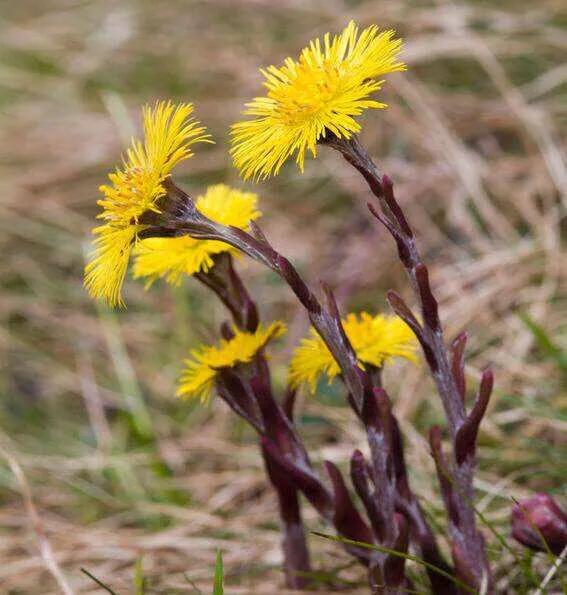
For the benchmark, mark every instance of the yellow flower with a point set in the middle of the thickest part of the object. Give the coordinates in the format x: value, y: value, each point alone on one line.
x: 323, y: 92
x: 198, y: 377
x: 136, y: 188
x: 375, y: 340
x: 171, y: 258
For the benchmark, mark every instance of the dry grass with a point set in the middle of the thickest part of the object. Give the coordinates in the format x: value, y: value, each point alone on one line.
x: 104, y: 465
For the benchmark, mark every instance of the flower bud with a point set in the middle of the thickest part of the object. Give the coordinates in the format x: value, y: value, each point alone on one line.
x: 537, y: 518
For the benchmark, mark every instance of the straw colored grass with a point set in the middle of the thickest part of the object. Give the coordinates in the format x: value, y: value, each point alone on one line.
x: 104, y: 466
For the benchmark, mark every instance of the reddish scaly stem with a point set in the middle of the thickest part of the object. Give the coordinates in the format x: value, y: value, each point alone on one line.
x: 285, y: 458
x: 182, y: 218
x: 294, y: 545
x: 223, y: 280
x: 468, y: 544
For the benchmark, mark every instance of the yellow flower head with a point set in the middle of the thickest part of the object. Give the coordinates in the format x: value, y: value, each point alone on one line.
x: 375, y: 340
x: 323, y: 92
x: 198, y: 377
x: 171, y: 258
x: 169, y: 131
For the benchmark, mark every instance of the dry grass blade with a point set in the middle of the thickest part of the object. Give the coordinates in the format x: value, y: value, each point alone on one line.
x: 44, y: 546
x: 475, y: 137
x: 98, y: 581
x: 552, y: 572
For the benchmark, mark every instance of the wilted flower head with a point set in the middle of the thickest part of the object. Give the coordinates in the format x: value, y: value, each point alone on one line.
x: 540, y: 518
x: 320, y: 94
x: 201, y: 369
x: 135, y: 189
x: 375, y: 340
x: 171, y: 258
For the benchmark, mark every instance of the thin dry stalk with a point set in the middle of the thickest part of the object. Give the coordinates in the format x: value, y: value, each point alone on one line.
x: 44, y: 546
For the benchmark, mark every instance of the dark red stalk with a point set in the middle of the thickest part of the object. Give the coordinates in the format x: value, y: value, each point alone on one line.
x: 228, y: 286
x: 346, y: 517
x: 420, y: 530
x: 286, y: 460
x: 372, y: 409
x: 468, y: 544
x: 294, y: 545
x: 223, y: 280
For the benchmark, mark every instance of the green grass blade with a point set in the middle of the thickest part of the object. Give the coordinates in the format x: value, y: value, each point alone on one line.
x: 385, y: 550
x: 526, y: 569
x: 192, y: 584
x: 127, y: 379
x: 545, y: 342
x: 139, y: 580
x: 218, y: 588
x: 536, y: 529
x: 98, y: 582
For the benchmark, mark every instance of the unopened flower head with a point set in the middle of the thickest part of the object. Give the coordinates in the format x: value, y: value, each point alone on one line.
x: 375, y: 340
x: 321, y: 94
x: 136, y: 187
x: 540, y: 524
x: 201, y: 369
x: 172, y: 258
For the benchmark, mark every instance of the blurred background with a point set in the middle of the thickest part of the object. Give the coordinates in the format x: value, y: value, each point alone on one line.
x: 100, y: 466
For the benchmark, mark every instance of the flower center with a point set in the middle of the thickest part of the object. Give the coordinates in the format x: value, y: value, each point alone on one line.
x: 311, y: 90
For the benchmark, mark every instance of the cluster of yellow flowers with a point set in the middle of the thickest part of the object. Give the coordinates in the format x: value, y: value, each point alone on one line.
x: 320, y: 94
x: 171, y: 258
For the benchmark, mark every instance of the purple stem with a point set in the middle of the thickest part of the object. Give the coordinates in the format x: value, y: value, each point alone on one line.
x: 182, y: 218
x: 294, y: 545
x: 223, y: 280
x: 471, y: 557
x: 286, y: 460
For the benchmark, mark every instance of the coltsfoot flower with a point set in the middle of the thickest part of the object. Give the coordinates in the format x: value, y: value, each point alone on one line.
x: 375, y: 340
x: 171, y: 258
x: 201, y: 369
x: 136, y: 187
x: 320, y: 94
